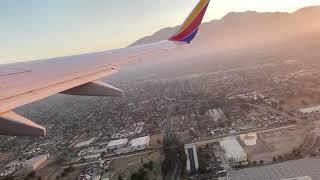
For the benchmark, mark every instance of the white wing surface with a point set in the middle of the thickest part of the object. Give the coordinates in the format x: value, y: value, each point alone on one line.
x: 23, y: 83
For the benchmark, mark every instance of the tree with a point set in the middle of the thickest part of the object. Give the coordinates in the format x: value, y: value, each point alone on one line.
x: 148, y: 165
x: 281, y: 108
x: 151, y: 165
x: 299, y: 153
x: 207, y: 146
x: 274, y: 159
x: 69, y: 169
x: 221, y: 123
x: 261, y: 161
x: 254, y: 163
x: 294, y: 150
x: 165, y: 166
x: 145, y: 165
x: 31, y: 174
x: 103, y: 154
x: 139, y: 176
x: 158, y: 141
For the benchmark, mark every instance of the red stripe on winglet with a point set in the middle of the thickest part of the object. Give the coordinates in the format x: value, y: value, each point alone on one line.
x: 194, y: 25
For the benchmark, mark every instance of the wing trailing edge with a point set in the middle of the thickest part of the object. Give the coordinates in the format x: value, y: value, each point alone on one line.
x: 95, y: 88
x: 79, y: 77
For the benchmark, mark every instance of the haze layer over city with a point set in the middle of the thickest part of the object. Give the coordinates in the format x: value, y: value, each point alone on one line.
x: 242, y: 101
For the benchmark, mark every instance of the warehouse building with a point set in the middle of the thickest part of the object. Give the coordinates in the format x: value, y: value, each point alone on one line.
x: 140, y: 143
x: 234, y: 152
x: 116, y: 144
x: 249, y: 139
x: 216, y: 114
x: 92, y: 157
x: 85, y: 143
x: 35, y: 162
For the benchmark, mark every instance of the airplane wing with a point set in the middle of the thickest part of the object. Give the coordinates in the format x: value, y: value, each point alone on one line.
x: 26, y: 82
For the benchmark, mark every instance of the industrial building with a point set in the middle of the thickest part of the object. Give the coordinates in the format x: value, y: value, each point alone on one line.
x: 216, y: 114
x: 35, y: 162
x: 85, y: 143
x: 303, y: 169
x: 140, y: 143
x: 249, y: 139
x: 92, y: 157
x: 192, y: 159
x: 234, y: 152
x: 310, y: 109
x: 116, y: 144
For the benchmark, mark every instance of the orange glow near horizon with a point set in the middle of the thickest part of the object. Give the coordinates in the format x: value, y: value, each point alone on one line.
x: 30, y: 32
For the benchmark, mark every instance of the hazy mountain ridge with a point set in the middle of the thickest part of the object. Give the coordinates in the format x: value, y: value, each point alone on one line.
x: 236, y: 39
x: 237, y: 29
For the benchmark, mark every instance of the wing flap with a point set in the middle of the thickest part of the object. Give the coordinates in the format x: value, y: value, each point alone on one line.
x: 95, y: 88
x: 13, y: 124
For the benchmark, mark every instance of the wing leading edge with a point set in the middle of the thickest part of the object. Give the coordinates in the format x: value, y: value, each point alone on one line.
x: 23, y: 83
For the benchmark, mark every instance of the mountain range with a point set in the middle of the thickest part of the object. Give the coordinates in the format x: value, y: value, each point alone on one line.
x: 236, y: 40
x: 245, y: 29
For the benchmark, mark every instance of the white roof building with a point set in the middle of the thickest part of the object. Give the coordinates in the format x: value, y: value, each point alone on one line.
x: 216, y: 113
x: 249, y: 139
x: 140, y: 143
x: 310, y: 109
x: 233, y: 149
x: 92, y: 156
x: 85, y: 143
x: 35, y: 162
x: 117, y: 143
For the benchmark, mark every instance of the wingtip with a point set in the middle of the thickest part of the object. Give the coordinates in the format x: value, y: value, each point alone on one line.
x: 190, y: 27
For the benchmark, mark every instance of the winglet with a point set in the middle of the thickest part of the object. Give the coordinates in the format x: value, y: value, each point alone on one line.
x: 190, y: 27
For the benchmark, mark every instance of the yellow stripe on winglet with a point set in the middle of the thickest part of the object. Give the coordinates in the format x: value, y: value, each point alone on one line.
x: 193, y: 14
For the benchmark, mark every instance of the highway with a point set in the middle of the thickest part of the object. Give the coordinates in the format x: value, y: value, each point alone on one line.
x: 80, y: 164
x: 110, y: 158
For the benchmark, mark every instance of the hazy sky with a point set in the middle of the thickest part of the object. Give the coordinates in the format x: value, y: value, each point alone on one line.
x: 33, y: 29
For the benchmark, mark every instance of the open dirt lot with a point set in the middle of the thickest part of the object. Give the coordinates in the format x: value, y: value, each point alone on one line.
x: 126, y: 166
x: 276, y: 143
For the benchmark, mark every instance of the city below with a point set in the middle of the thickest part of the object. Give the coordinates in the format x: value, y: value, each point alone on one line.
x: 250, y: 112
x: 225, y: 124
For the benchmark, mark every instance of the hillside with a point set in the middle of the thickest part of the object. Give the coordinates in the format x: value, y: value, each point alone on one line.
x: 242, y: 29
